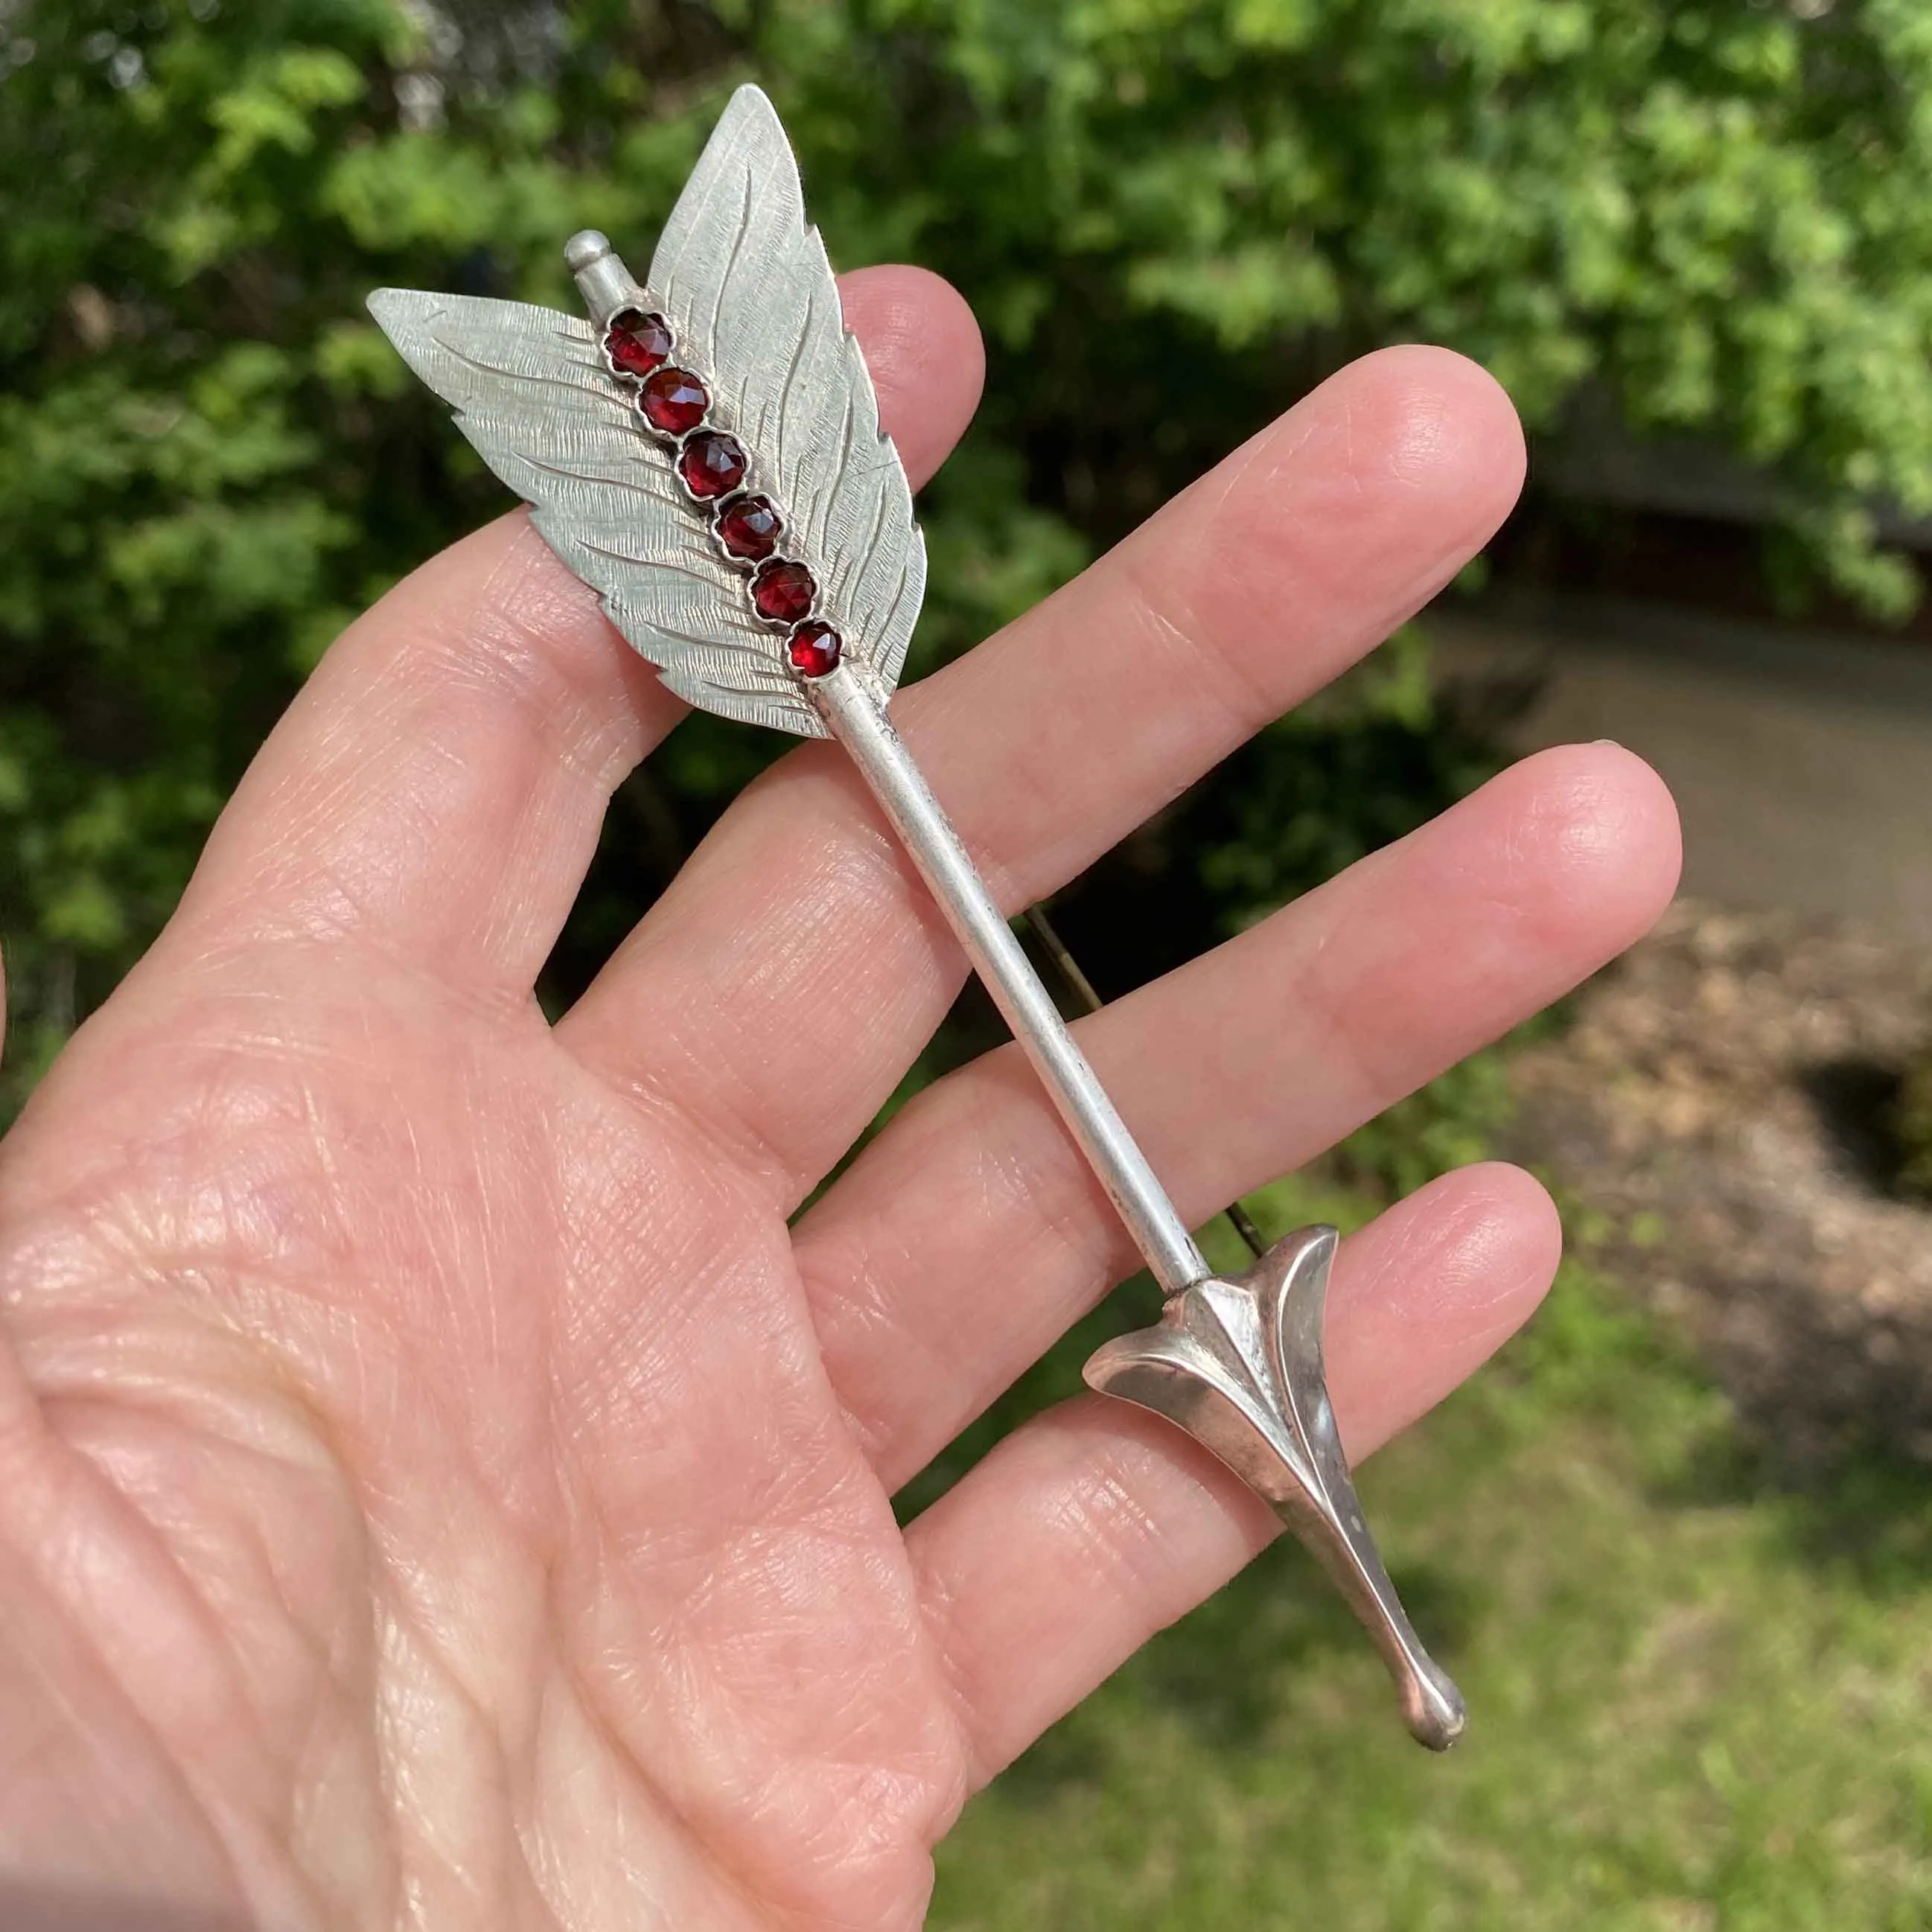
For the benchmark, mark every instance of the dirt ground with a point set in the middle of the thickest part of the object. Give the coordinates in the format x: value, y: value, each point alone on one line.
x: 1719, y: 1113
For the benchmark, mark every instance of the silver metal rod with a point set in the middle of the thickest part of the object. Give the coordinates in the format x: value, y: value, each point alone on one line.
x: 1074, y: 978
x: 856, y: 719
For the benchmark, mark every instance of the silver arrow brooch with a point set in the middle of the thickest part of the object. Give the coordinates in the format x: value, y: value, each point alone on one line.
x: 705, y: 452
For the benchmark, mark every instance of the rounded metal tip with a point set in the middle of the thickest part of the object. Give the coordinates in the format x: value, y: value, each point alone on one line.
x: 584, y: 249
x: 1433, y: 1707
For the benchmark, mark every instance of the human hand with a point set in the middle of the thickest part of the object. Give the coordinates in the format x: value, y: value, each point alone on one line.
x: 438, y: 1486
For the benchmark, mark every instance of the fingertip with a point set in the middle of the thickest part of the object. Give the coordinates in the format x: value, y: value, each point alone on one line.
x: 1438, y: 426
x: 1648, y: 818
x: 1347, y: 515
x: 1465, y: 418
x: 1500, y: 1241
x: 1468, y: 1248
x: 1597, y: 842
x: 1431, y: 1289
x: 924, y: 349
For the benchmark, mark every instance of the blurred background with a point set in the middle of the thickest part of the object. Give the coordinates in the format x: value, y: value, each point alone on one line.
x: 1678, y: 1545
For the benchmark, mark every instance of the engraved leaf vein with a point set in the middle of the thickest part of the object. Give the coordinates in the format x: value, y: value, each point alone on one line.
x: 483, y: 368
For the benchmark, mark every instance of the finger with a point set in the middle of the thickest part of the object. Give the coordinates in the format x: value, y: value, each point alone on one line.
x: 970, y: 1234
x: 777, y: 993
x: 435, y: 790
x: 1094, y: 1526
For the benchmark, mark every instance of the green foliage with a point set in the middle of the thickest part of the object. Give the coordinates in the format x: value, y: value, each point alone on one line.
x: 1451, y: 1122
x: 1716, y: 217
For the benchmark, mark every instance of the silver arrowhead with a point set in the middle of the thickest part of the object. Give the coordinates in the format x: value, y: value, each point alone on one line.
x: 1238, y: 1364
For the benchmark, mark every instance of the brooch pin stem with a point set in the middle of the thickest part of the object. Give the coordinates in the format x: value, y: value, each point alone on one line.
x: 1073, y: 978
x: 859, y: 724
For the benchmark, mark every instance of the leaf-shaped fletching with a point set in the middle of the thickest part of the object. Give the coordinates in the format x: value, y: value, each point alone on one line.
x: 531, y: 390
x: 747, y: 289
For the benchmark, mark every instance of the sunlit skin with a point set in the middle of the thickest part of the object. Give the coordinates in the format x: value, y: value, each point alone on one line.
x: 439, y: 1488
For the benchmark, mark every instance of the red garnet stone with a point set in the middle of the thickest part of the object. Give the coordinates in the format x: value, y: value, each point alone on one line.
x: 711, y: 463
x: 783, y: 591
x: 814, y: 649
x: 673, y: 400
x: 749, y: 527
x: 637, y: 342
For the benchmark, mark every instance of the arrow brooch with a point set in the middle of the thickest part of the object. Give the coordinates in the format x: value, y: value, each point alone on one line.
x: 705, y: 452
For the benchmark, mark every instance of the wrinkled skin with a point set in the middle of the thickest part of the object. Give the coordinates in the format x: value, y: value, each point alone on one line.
x: 436, y: 1486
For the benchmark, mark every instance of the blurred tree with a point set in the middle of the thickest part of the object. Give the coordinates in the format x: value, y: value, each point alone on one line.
x: 1171, y: 215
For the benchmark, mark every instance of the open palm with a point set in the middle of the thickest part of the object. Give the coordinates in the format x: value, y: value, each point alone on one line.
x: 437, y: 1486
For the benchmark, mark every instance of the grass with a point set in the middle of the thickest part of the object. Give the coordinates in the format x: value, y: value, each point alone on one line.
x: 1701, y: 1698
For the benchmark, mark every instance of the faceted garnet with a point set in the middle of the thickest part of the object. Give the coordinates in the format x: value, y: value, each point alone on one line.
x: 711, y: 463
x: 783, y: 591
x: 814, y: 648
x: 673, y: 400
x: 749, y: 527
x: 637, y: 342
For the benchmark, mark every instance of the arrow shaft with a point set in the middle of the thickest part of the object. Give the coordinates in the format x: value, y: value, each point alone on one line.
x: 859, y: 724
